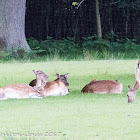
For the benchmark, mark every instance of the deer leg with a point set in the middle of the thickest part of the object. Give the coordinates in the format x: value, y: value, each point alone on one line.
x: 2, y: 97
x: 41, y: 93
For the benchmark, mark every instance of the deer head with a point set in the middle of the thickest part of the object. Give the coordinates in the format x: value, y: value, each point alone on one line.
x: 63, y: 78
x: 41, y: 76
x: 131, y: 94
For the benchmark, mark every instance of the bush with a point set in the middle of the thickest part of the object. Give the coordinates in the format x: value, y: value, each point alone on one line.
x: 8, y: 55
x: 99, y: 44
x: 132, y: 46
x: 89, y: 48
x: 50, y: 47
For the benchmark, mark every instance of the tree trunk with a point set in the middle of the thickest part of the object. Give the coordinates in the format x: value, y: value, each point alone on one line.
x: 12, y: 25
x: 99, y: 31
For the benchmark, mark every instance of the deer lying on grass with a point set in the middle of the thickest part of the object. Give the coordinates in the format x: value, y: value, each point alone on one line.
x: 41, y: 80
x: 103, y: 86
x: 132, y: 91
x: 55, y: 88
x: 22, y: 90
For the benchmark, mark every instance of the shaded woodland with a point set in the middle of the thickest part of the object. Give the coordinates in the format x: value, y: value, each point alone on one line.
x: 63, y: 29
x: 60, y: 19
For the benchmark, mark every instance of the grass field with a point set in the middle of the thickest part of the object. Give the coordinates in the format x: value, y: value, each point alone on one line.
x: 74, y: 116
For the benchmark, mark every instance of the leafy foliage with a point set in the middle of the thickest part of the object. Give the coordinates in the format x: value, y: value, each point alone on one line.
x: 75, y: 3
x: 61, y: 19
x: 89, y: 48
x: 50, y: 46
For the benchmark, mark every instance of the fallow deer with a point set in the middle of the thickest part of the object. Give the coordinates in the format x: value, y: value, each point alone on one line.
x: 41, y: 80
x: 137, y: 74
x: 132, y: 92
x: 103, y: 86
x: 55, y: 88
x: 21, y: 90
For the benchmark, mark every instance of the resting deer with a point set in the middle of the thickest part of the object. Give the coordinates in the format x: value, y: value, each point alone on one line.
x: 103, y: 86
x: 22, y: 90
x: 41, y: 80
x: 132, y: 92
x: 55, y: 88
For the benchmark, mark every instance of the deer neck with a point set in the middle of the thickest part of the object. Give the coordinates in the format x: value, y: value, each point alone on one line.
x: 56, y: 79
x: 38, y: 82
x: 136, y: 86
x: 137, y: 74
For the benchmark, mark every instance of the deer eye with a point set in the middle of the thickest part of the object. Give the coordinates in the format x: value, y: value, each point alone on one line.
x: 62, y: 79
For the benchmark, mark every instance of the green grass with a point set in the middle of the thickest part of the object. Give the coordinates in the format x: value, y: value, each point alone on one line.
x: 74, y: 116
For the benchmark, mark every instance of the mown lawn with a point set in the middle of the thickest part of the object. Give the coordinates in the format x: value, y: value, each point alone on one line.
x: 74, y: 116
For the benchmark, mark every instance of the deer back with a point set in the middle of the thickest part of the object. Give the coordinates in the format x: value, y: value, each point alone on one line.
x: 103, y: 86
x: 17, y: 91
x: 55, y: 88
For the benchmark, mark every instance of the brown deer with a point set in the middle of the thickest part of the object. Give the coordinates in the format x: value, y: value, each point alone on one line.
x: 55, y: 88
x: 132, y: 92
x: 103, y: 86
x: 41, y: 80
x: 137, y: 74
x: 22, y: 90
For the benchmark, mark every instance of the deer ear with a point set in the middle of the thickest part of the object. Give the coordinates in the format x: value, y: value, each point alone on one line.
x: 57, y: 75
x: 34, y: 71
x: 129, y: 88
x: 46, y: 76
x: 66, y: 74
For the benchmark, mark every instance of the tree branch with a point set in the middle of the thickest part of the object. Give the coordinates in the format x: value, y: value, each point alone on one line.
x: 80, y: 4
x: 115, y: 2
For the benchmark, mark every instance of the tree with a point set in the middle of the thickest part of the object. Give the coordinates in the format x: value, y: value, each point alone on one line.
x: 63, y: 18
x: 99, y: 31
x: 98, y: 20
x: 12, y: 25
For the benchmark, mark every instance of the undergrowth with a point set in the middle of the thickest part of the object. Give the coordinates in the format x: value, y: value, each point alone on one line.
x: 88, y: 48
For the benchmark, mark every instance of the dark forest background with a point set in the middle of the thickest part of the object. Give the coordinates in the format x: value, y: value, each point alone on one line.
x: 60, y: 19
x: 56, y: 29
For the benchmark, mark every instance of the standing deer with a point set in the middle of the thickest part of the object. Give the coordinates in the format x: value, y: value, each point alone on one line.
x: 103, y: 86
x: 55, y: 88
x: 132, y: 92
x: 22, y: 90
x: 137, y: 74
